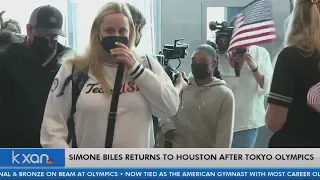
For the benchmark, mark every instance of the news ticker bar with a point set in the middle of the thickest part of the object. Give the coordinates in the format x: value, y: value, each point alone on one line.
x: 156, y: 173
x: 160, y: 158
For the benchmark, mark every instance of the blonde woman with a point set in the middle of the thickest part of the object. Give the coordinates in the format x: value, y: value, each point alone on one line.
x: 294, y: 123
x: 144, y: 92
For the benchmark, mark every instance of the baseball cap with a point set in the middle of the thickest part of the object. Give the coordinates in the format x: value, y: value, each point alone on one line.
x: 47, y: 20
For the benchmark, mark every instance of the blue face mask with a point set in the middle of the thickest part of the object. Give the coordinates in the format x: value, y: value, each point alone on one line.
x: 109, y: 42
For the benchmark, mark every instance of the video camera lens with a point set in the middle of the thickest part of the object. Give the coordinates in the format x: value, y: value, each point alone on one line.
x: 223, y: 41
x: 175, y: 51
x: 223, y: 35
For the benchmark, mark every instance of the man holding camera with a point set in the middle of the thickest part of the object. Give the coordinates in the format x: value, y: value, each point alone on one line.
x: 249, y: 89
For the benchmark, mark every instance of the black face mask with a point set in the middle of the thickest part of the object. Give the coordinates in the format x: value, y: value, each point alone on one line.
x: 109, y: 42
x: 43, y: 47
x: 200, y: 71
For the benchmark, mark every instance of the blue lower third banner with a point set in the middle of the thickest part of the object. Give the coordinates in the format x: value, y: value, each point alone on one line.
x: 157, y: 173
x: 32, y: 157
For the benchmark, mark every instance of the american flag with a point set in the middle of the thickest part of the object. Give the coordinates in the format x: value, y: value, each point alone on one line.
x: 313, y: 97
x: 253, y: 25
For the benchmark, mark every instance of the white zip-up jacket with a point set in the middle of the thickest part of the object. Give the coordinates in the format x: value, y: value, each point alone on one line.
x: 144, y: 93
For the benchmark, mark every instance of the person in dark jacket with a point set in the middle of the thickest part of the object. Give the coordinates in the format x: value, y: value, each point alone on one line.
x: 139, y: 21
x: 6, y: 38
x: 27, y: 71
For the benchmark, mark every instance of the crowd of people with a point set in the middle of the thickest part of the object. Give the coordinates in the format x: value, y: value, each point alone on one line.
x: 110, y: 96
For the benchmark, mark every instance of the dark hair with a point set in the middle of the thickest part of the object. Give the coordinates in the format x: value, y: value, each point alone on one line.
x: 7, y: 38
x: 216, y: 72
x: 137, y: 16
x: 212, y: 44
x: 5, y: 25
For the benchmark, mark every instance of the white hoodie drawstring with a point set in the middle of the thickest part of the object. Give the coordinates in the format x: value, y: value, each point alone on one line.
x: 199, y: 95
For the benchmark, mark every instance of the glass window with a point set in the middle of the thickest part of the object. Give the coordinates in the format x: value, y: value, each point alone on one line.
x: 214, y: 14
x: 147, y: 43
x: 84, y: 19
x: 78, y: 18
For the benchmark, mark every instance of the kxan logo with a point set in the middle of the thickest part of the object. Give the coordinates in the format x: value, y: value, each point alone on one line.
x: 31, y: 159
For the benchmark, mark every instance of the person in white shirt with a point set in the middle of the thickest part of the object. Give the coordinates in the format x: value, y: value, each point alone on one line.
x: 206, y: 114
x: 144, y: 92
x: 249, y: 91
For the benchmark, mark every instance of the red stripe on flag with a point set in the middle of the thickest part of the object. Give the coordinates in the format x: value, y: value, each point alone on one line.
x: 253, y: 36
x: 239, y: 21
x: 252, y: 43
x: 253, y: 29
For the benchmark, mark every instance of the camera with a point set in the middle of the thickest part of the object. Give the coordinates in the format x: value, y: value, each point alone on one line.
x: 223, y: 38
x: 223, y: 35
x: 176, y: 51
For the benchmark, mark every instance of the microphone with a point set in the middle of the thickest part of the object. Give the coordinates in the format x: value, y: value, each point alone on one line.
x: 212, y: 26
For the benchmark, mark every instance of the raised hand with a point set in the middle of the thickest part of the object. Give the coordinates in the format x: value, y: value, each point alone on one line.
x: 1, y: 18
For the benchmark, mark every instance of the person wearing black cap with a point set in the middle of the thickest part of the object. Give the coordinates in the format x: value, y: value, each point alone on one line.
x: 27, y: 71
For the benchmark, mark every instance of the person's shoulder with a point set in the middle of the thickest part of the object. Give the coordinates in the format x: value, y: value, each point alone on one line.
x: 16, y: 46
x: 78, y: 62
x: 66, y: 68
x: 257, y: 48
x: 20, y: 37
x: 10, y: 60
x: 65, y: 52
x: 2, y: 52
x: 258, y: 51
x: 226, y: 92
x: 64, y: 49
x: 292, y: 51
x: 289, y: 56
x: 147, y: 60
x: 12, y: 52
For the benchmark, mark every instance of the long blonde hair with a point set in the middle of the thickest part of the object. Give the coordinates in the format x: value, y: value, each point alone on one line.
x: 304, y: 30
x: 93, y: 57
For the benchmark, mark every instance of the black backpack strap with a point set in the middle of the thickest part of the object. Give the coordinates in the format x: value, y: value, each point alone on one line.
x: 114, y: 106
x: 79, y: 78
